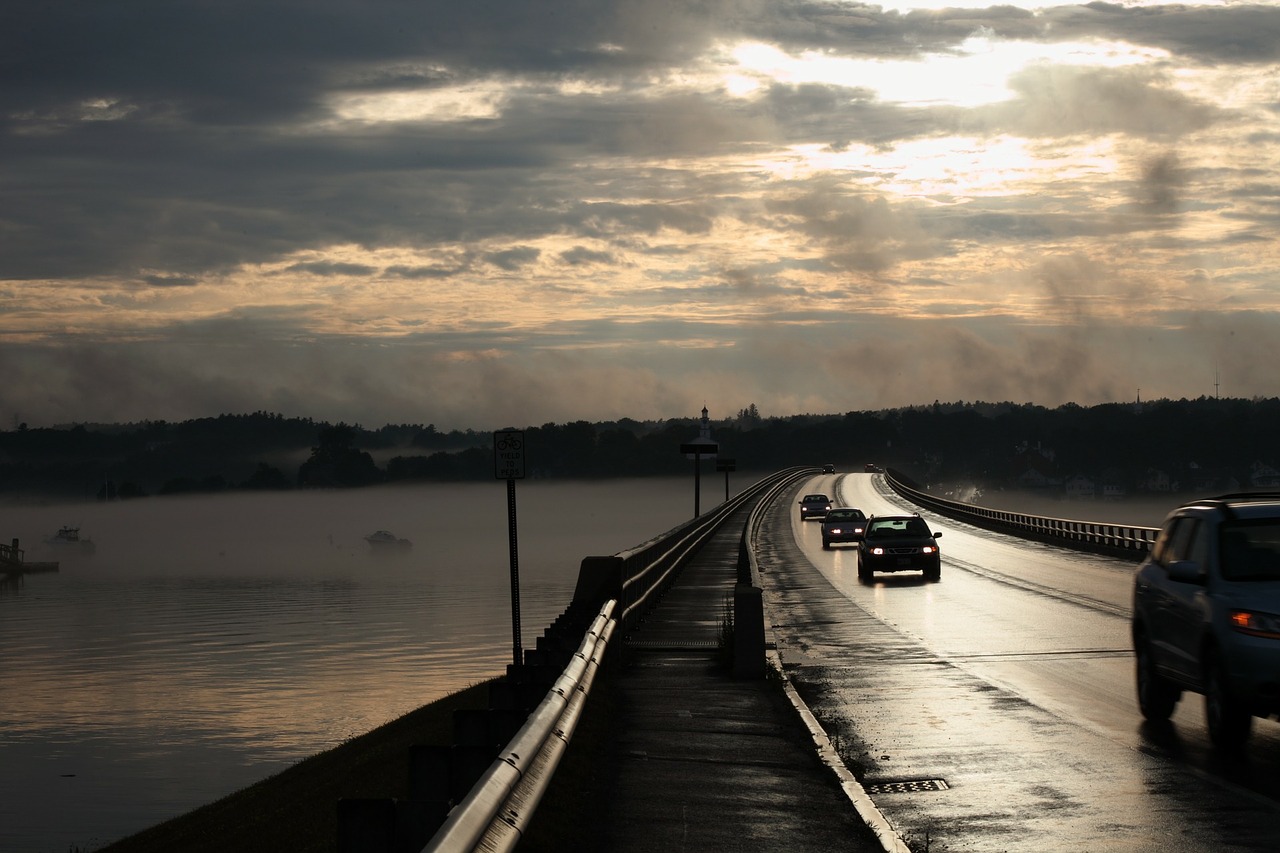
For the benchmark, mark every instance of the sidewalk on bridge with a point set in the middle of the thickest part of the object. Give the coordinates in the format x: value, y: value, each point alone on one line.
x: 705, y: 761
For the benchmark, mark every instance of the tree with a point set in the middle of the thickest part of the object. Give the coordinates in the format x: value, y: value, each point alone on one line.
x: 336, y: 462
x: 267, y: 477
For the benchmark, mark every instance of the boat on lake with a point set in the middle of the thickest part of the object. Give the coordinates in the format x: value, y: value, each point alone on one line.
x: 69, y: 538
x: 386, y: 542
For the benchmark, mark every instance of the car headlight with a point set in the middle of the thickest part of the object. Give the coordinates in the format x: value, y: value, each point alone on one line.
x: 1255, y: 624
x: 878, y: 551
x: 928, y: 549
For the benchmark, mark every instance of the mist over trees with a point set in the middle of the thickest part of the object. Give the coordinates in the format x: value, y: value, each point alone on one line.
x: 1105, y: 450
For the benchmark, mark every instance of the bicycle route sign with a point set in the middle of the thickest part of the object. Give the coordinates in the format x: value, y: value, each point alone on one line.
x: 508, y: 454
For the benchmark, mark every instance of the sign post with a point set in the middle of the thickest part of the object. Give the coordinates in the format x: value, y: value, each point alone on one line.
x: 508, y: 464
x: 726, y: 465
x: 697, y: 450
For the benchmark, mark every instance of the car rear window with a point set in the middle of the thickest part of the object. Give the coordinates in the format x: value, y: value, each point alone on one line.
x: 899, y: 527
x: 1250, y: 550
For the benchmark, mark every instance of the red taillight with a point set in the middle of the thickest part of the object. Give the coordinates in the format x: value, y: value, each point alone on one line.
x: 1255, y: 624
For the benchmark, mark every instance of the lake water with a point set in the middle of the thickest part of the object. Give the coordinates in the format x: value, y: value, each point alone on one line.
x: 212, y: 641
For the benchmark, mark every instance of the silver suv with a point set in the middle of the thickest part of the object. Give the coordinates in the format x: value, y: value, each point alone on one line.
x: 1206, y: 613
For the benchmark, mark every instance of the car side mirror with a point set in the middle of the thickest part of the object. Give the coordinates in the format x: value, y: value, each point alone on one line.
x: 937, y: 534
x: 1185, y: 571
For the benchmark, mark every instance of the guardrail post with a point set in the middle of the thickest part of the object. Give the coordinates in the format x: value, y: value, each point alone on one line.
x: 748, y: 632
x: 599, y: 579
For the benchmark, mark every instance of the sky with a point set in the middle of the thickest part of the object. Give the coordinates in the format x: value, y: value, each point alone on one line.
x: 504, y: 213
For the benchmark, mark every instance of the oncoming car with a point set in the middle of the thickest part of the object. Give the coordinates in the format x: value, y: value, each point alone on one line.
x: 899, y: 543
x: 829, y: 468
x: 814, y: 506
x: 1206, y: 614
x: 842, y: 524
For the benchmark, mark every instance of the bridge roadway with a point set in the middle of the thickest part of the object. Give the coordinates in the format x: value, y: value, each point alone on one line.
x: 1008, y: 685
x: 704, y: 761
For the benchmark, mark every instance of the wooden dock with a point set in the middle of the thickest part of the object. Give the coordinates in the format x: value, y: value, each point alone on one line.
x: 13, y: 563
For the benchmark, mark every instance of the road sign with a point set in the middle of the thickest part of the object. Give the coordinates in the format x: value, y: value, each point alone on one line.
x: 508, y: 454
x: 703, y: 449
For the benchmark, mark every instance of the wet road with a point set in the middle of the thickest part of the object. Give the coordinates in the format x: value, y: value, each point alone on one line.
x: 995, y: 709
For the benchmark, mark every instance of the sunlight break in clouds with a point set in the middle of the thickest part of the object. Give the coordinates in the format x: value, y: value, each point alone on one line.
x: 976, y: 73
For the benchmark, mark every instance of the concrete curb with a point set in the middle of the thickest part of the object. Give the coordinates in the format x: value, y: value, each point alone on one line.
x: 890, y: 840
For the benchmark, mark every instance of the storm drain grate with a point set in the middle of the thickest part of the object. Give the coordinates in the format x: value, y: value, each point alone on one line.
x: 672, y: 645
x: 905, y: 786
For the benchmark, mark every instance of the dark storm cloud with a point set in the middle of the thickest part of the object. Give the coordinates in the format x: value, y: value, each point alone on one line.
x: 582, y: 256
x: 327, y: 268
x: 513, y: 259
x: 426, y: 272
x: 186, y: 167
x: 1236, y: 34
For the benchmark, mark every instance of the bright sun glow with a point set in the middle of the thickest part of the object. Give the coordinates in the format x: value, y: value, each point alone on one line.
x: 481, y: 100
x: 976, y: 74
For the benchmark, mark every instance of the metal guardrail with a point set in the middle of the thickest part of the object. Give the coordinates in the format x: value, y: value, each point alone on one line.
x: 494, y: 814
x: 1118, y: 540
x: 748, y: 565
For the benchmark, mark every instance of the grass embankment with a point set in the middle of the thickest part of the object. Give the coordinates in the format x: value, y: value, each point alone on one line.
x: 296, y: 809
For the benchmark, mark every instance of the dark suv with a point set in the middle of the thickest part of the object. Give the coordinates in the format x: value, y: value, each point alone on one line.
x: 1206, y: 613
x: 898, y: 543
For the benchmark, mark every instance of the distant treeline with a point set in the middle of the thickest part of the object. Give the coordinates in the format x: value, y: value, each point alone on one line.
x: 1159, y: 445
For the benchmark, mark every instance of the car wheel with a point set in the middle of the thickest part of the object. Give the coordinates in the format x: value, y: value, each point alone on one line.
x: 1156, y: 694
x: 826, y: 544
x: 1229, y: 721
x: 933, y: 574
x: 864, y: 573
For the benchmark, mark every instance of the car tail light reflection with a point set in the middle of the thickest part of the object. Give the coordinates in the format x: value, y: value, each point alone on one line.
x: 1255, y: 624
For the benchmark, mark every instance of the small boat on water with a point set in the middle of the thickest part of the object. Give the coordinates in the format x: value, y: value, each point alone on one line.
x: 386, y: 542
x: 70, y: 539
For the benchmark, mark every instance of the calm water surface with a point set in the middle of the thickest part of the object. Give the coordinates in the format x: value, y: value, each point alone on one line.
x: 210, y: 642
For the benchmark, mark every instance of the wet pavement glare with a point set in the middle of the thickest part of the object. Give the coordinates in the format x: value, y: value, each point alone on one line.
x: 1011, y: 680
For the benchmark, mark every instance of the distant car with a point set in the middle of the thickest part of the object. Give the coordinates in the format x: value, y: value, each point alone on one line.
x: 828, y: 468
x: 814, y: 506
x: 899, y: 543
x: 842, y: 524
x: 1206, y: 614
x: 871, y: 468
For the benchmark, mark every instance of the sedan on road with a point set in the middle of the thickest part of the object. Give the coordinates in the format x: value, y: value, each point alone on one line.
x: 814, y: 506
x: 842, y: 524
x: 899, y: 543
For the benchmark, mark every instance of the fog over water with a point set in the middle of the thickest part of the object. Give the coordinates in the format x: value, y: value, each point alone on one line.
x: 212, y: 641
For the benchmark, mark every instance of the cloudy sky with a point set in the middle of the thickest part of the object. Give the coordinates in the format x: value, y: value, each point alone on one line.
x: 505, y: 212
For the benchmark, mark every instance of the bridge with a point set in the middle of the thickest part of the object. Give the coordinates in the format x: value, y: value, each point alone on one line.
x: 759, y: 697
